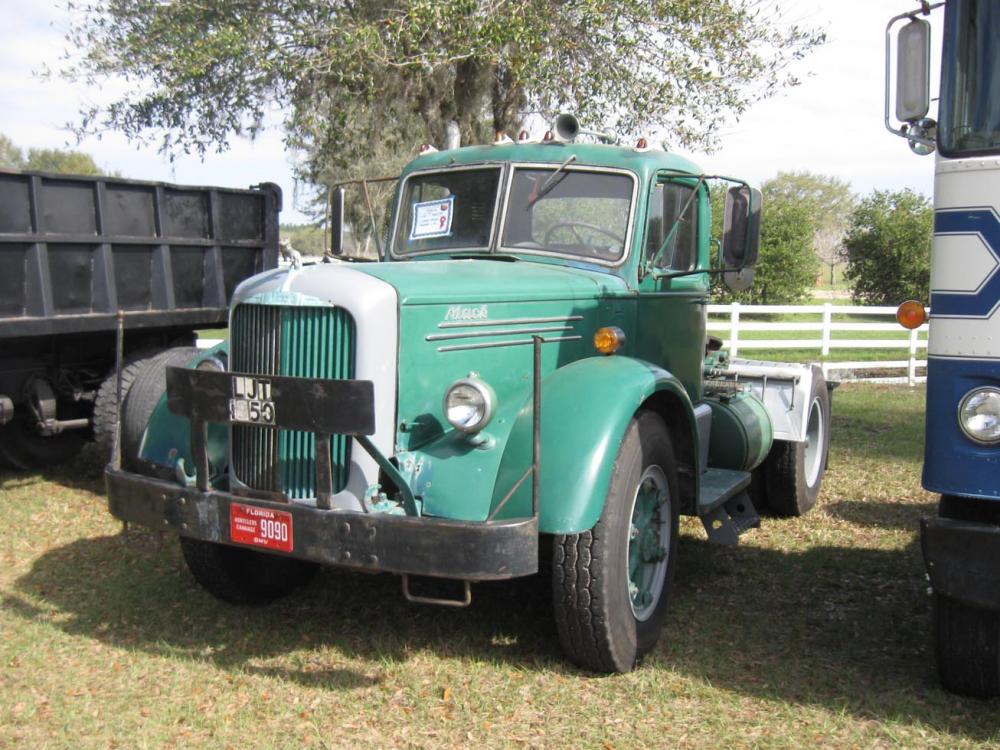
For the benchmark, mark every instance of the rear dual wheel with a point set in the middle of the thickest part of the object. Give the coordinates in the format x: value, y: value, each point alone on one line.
x: 793, y: 472
x: 611, y: 584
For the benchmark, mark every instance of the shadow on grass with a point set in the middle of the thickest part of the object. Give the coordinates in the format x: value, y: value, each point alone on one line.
x: 138, y: 594
x: 842, y: 628
x: 899, y: 516
x: 85, y: 472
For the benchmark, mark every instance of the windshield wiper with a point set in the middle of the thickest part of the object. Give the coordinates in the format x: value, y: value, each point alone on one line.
x: 550, y: 183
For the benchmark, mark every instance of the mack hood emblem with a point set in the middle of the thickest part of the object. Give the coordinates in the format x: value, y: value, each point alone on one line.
x: 471, y: 312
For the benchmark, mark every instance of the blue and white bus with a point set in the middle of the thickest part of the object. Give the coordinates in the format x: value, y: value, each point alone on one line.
x: 961, y: 545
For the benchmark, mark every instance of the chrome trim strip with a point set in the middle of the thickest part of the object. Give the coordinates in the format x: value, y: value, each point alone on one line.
x: 509, y: 322
x: 504, y: 332
x: 498, y: 344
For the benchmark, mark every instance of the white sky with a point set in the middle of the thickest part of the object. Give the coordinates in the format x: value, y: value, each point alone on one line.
x: 830, y: 124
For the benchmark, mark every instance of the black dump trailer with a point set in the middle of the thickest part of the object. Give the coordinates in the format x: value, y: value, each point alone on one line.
x: 74, y: 251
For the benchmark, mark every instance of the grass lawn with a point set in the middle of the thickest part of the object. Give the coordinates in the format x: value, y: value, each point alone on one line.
x: 814, y: 632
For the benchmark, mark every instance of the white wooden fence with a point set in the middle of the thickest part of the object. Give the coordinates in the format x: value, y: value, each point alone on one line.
x: 823, y: 322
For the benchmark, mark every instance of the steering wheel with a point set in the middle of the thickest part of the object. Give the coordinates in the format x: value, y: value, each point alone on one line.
x: 573, y: 226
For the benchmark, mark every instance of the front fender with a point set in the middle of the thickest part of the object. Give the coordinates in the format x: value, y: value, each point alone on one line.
x: 586, y: 408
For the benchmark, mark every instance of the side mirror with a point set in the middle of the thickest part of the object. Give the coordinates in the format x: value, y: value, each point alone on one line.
x: 337, y: 221
x: 913, y: 71
x: 740, y: 236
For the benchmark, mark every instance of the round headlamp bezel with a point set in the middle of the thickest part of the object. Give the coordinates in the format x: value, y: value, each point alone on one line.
x: 489, y: 404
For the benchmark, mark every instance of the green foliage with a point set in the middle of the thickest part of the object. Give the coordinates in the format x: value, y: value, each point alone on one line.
x: 786, y: 265
x: 11, y: 157
x: 353, y: 74
x: 60, y: 161
x: 888, y: 248
x: 827, y: 199
x: 308, y: 239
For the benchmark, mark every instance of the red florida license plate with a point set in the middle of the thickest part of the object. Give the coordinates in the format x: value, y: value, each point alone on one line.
x: 260, y: 527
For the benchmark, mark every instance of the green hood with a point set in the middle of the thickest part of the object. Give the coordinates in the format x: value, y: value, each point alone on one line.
x: 430, y: 282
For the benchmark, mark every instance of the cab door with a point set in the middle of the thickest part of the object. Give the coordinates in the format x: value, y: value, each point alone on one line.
x: 671, y: 317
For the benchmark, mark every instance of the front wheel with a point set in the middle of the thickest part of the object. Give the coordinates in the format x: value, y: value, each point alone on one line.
x: 611, y: 584
x: 244, y: 576
x: 967, y: 642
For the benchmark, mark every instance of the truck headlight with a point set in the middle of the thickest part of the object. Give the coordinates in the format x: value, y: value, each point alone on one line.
x: 468, y: 404
x: 979, y: 415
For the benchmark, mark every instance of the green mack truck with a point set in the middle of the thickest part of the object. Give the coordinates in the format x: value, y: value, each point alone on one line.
x: 523, y: 377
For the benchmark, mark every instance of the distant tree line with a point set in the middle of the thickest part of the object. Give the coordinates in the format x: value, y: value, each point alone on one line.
x: 812, y: 224
x: 58, y: 160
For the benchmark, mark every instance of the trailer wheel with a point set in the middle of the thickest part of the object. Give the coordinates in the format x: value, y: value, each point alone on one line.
x: 794, y: 471
x: 148, y: 385
x: 244, y: 576
x: 967, y: 642
x: 611, y: 584
x: 23, y: 449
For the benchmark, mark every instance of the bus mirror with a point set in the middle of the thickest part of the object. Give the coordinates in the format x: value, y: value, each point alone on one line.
x: 913, y: 70
x: 337, y: 221
x: 741, y: 227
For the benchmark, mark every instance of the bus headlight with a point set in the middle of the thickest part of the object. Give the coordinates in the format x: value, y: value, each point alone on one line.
x: 979, y: 415
x: 468, y: 404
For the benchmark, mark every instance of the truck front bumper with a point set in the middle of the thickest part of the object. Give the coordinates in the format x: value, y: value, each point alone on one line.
x: 963, y: 560
x: 376, y: 542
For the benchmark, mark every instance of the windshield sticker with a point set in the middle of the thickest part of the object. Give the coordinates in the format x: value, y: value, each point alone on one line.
x: 432, y: 218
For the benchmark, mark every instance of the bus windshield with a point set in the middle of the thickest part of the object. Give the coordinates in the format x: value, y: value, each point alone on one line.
x: 970, y: 79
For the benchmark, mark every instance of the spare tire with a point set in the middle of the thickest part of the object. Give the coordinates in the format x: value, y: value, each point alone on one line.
x: 105, y: 419
x: 147, y: 388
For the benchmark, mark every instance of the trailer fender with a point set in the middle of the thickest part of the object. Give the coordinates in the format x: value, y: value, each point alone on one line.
x: 586, y: 408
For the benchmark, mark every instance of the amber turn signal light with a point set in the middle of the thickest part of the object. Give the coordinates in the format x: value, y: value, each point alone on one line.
x: 609, y: 339
x: 911, y: 314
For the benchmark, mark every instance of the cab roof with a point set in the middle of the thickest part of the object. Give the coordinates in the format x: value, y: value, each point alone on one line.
x: 642, y: 162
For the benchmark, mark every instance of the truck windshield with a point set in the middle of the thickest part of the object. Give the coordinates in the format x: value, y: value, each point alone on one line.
x: 448, y: 210
x: 970, y: 79
x: 579, y: 213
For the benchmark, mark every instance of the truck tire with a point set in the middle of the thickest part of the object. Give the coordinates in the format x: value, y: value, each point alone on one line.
x: 23, y: 449
x: 794, y: 471
x: 106, y: 403
x: 147, y: 388
x: 611, y: 584
x: 967, y: 643
x: 244, y: 576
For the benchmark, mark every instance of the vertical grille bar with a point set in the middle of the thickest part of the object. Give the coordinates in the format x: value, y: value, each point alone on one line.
x: 254, y: 341
x: 311, y: 342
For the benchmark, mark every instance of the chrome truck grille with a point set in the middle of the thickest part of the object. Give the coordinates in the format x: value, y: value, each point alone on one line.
x: 308, y: 342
